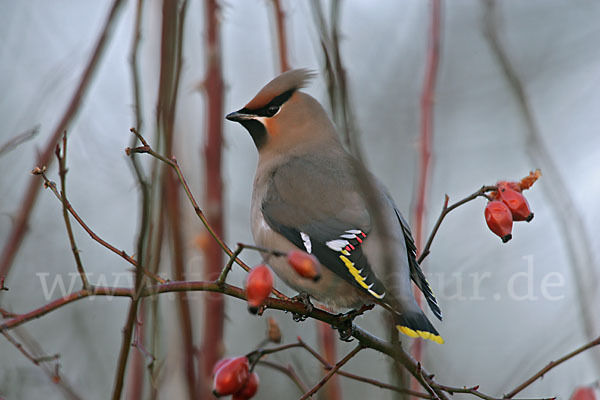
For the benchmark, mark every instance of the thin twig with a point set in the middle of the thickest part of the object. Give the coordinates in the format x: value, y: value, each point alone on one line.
x: 52, y: 186
x: 445, y: 210
x: 331, y: 372
x: 287, y: 370
x: 240, y: 247
x: 62, y: 172
x: 19, y: 228
x: 34, y: 353
x: 229, y: 264
x: 21, y: 138
x: 551, y: 365
x: 126, y: 343
x: 29, y: 356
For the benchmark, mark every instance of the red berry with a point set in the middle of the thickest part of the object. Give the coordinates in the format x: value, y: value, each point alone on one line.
x: 219, y: 364
x: 516, y: 202
x: 258, y: 287
x: 249, y: 390
x: 306, y: 265
x: 231, y: 377
x: 499, y: 219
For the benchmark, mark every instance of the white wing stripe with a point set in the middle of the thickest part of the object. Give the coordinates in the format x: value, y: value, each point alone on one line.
x: 307, y: 242
x: 337, y: 244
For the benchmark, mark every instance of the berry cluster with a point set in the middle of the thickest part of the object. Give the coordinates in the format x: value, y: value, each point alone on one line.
x: 233, y: 377
x: 507, y: 204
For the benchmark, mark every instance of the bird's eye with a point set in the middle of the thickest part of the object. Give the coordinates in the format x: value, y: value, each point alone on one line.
x: 272, y: 110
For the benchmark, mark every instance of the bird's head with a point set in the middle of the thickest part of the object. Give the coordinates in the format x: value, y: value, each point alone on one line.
x: 281, y: 117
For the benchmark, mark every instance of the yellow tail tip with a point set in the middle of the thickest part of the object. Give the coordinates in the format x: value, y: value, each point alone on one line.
x: 422, y: 334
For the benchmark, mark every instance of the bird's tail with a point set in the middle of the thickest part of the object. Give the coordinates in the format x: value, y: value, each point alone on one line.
x: 415, y: 324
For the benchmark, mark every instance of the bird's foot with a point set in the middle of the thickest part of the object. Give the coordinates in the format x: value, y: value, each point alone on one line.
x: 350, y: 315
x: 346, y: 326
x: 345, y: 329
x: 303, y: 298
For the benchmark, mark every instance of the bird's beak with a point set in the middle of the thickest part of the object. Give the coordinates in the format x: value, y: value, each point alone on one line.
x: 239, y: 116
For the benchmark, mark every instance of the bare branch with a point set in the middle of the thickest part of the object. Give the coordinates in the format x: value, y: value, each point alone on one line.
x: 62, y: 172
x: 445, y: 210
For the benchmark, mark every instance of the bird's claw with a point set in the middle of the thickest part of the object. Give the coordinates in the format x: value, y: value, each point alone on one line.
x: 303, y: 298
x: 345, y: 329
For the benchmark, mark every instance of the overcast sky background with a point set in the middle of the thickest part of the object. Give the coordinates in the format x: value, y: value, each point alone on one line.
x: 480, y: 136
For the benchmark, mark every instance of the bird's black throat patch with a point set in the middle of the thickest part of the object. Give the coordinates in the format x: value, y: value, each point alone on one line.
x: 257, y: 130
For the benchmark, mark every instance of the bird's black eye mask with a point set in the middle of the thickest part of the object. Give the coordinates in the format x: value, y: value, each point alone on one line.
x: 273, y: 107
x: 256, y: 129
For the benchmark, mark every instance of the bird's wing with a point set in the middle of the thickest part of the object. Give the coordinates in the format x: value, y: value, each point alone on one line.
x: 317, y: 207
x: 416, y: 273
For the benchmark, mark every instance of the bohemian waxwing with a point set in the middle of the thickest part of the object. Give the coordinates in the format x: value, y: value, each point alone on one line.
x: 306, y: 195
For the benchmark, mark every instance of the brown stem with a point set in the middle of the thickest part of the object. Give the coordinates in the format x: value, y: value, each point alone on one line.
x: 135, y: 375
x: 125, y: 346
x: 29, y: 356
x: 62, y: 172
x: 33, y: 352
x: 445, y: 210
x: 19, y: 228
x: 214, y: 306
x: 284, y: 65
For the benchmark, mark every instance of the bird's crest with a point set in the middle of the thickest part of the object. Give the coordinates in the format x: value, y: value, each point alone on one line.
x: 288, y: 81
